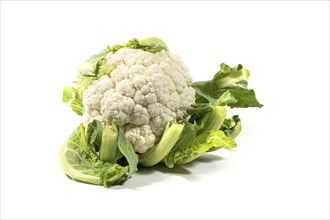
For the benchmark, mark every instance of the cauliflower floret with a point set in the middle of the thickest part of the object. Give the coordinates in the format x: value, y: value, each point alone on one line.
x: 160, y: 115
x: 92, y: 99
x: 143, y: 93
x: 116, y: 107
x: 142, y: 137
x: 94, y: 93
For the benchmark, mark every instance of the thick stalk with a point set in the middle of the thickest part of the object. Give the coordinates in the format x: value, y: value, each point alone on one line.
x: 108, y: 149
x: 157, y: 153
x: 214, y: 119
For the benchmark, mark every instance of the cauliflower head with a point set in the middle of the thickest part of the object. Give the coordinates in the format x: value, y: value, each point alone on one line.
x: 143, y: 91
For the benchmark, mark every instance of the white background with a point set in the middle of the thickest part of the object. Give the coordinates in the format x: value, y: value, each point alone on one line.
x: 280, y: 168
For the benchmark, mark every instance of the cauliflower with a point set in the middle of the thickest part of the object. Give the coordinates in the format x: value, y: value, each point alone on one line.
x: 139, y: 108
x: 141, y: 95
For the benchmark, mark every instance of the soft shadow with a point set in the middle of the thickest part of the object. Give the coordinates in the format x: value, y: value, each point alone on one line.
x: 143, y: 177
x: 207, y: 164
x: 148, y: 176
x: 176, y: 170
x: 203, y: 159
x: 208, y: 158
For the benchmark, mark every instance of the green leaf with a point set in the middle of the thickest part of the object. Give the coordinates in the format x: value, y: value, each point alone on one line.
x: 203, y: 143
x: 245, y: 98
x: 204, y: 89
x: 94, y: 134
x: 99, y: 56
x: 206, y: 116
x: 82, y: 83
x: 232, y: 126
x: 187, y: 137
x: 113, y: 174
x: 87, y: 73
x: 77, y: 106
x: 126, y: 148
x: 87, y: 68
x: 152, y: 44
x: 198, y: 110
x: 77, y: 93
x: 228, y: 77
x: 106, y: 69
x: 116, y: 47
x: 68, y: 94
x: 228, y: 87
x: 226, y: 98
x: 82, y: 139
x: 228, y: 123
x: 80, y: 162
x: 153, y: 48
